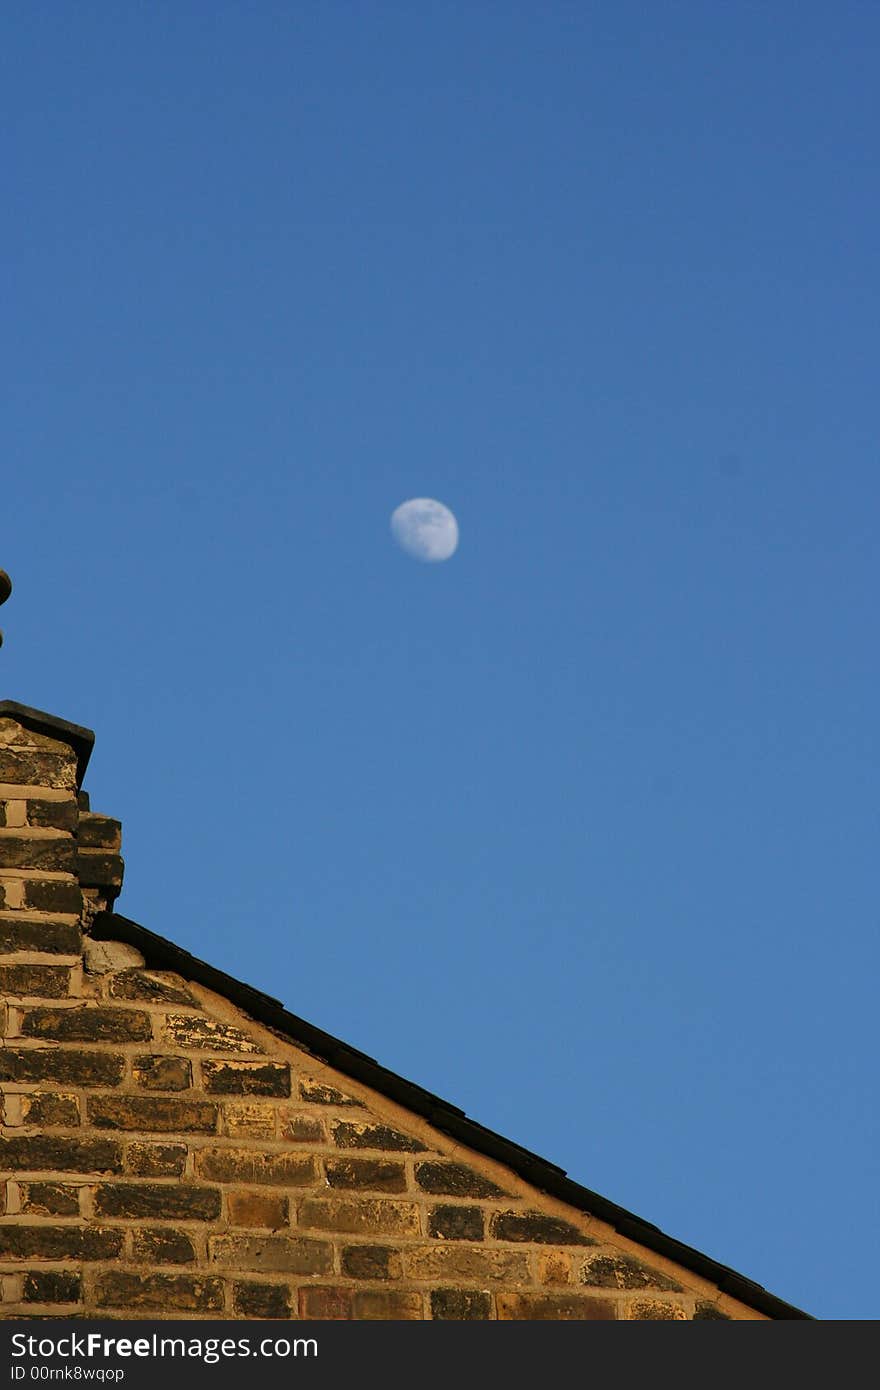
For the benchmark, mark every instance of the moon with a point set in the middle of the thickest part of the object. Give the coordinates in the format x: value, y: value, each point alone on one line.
x: 425, y: 529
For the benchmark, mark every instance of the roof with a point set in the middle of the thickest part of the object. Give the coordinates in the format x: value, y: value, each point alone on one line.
x: 449, y: 1119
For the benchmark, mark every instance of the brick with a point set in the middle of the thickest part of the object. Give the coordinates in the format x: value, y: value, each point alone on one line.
x: 97, y: 869
x: 87, y: 1024
x: 553, y: 1307
x: 270, y: 1254
x: 151, y: 986
x: 163, y: 1201
x: 37, y: 852
x: 554, y: 1267
x: 162, y: 1073
x: 153, y: 1114
x: 248, y: 1121
x: 454, y: 1262
x: 48, y: 1199
x: 375, y: 1305
x: 349, y: 1135
x: 162, y: 1245
x: 249, y: 1166
x: 48, y: 1108
x: 536, y: 1229
x: 325, y: 1304
x: 59, y: 1243
x: 456, y: 1223
x: 624, y: 1272
x: 155, y: 1160
x: 246, y: 1078
x: 302, y: 1129
x: 371, y: 1262
x: 189, y: 1030
x: 654, y: 1310
x: 363, y: 1216
x: 53, y: 815
x: 257, y: 1209
x: 53, y: 895
x: 25, y: 767
x: 319, y: 1094
x: 182, y: 1292
x: 67, y: 1066
x: 41, y: 981
x: 261, y: 1300
x: 52, y: 938
x: 46, y: 1154
x: 454, y: 1180
x: 54, y: 1286
x: 460, y: 1305
x: 709, y: 1312
x: 98, y: 832
x: 366, y: 1174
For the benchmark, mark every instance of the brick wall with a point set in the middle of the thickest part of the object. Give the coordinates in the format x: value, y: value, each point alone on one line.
x: 164, y: 1155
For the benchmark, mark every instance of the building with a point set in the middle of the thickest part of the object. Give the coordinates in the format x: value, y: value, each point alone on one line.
x: 175, y: 1144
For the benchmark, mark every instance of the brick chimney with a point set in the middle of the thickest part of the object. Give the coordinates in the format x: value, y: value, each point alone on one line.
x: 59, y: 862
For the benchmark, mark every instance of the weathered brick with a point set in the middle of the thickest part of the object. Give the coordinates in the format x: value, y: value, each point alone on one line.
x: 534, y: 1228
x: 624, y: 1272
x: 302, y: 1129
x: 246, y: 1078
x: 325, y: 1304
x: 53, y: 815
x: 456, y: 1223
x: 98, y: 832
x: 454, y: 1180
x: 461, y: 1305
x: 191, y: 1030
x: 55, y: 1064
x: 275, y: 1254
x: 59, y: 1242
x: 375, y: 1305
x: 359, y: 1216
x: 261, y: 1300
x: 366, y: 1174
x: 96, y: 868
x: 87, y: 1024
x: 163, y: 1201
x: 153, y: 1114
x: 249, y: 1166
x: 48, y: 1108
x: 257, y: 1209
x: 371, y: 1262
x: 26, y: 767
x: 40, y: 981
x: 53, y: 895
x: 709, y: 1312
x: 151, y: 986
x: 52, y: 938
x: 183, y: 1292
x: 162, y: 1073
x: 155, y: 1160
x: 554, y: 1267
x: 49, y: 1153
x: 52, y: 1286
x: 248, y: 1121
x: 162, y: 1245
x: 48, y: 1199
x: 454, y: 1262
x: 320, y: 1094
x: 58, y: 855
x: 553, y: 1307
x: 350, y: 1135
x: 653, y: 1310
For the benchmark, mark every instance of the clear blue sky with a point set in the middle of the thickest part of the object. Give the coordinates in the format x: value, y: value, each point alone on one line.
x: 578, y: 829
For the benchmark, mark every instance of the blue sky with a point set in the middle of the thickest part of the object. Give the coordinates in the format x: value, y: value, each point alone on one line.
x: 578, y: 829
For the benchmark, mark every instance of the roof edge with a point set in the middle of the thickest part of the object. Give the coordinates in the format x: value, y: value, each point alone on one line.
x: 449, y: 1119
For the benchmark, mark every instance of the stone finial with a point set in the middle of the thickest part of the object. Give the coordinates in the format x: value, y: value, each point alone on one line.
x: 5, y: 591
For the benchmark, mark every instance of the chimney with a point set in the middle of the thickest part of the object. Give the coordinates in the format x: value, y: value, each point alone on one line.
x: 59, y: 862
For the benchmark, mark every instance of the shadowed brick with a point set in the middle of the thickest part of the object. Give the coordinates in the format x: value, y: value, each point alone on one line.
x: 155, y: 1160
x: 25, y: 767
x: 151, y: 986
x: 553, y: 1307
x: 349, y: 1135
x: 275, y: 1254
x: 367, y: 1174
x: 248, y: 1166
x: 162, y: 1073
x: 325, y: 1304
x: 40, y: 981
x: 37, y: 852
x: 536, y: 1229
x: 53, y: 815
x: 302, y: 1129
x: 319, y: 1094
x: 454, y: 1180
x: 45, y: 1153
x: 460, y: 1305
x: 53, y: 895
x: 654, y: 1310
x: 162, y: 1245
x: 184, y: 1292
x: 375, y: 1305
x: 98, y: 832
x: 87, y: 1024
x: 456, y: 1223
x: 48, y: 1108
x: 59, y: 1243
x: 52, y: 1287
x: 54, y: 1064
x: 154, y: 1114
x: 177, y: 1202
x: 371, y: 1262
x: 709, y: 1312
x: 624, y: 1272
x: 246, y: 1078
x: 48, y: 1199
x: 191, y: 1030
x: 261, y: 1300
x: 53, y: 938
